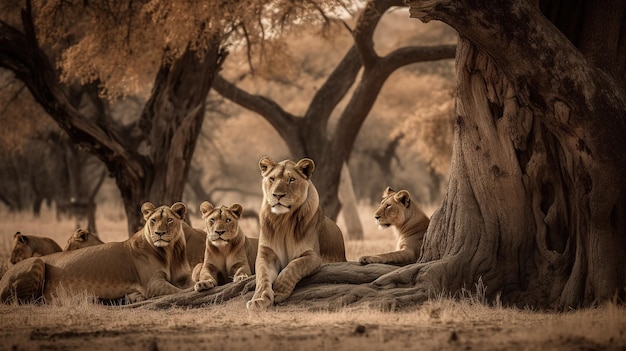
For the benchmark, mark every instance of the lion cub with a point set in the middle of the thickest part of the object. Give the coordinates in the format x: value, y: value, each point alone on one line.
x: 409, y: 222
x: 229, y: 254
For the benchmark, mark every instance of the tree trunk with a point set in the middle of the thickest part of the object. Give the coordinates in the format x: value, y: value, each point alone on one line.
x: 349, y: 209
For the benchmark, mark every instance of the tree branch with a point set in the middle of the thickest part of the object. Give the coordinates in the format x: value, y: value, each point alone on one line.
x: 20, y: 53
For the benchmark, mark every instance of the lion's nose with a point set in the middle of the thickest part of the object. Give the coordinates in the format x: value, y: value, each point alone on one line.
x: 279, y: 196
x: 220, y: 232
x: 376, y: 217
x: 160, y: 233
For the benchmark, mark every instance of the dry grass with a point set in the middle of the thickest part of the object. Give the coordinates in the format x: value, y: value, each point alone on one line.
x: 75, y: 322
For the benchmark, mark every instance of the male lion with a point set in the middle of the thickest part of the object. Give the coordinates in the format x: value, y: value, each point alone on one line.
x: 81, y: 238
x: 229, y: 253
x: 295, y: 235
x: 25, y: 246
x: 150, y: 263
x: 409, y: 222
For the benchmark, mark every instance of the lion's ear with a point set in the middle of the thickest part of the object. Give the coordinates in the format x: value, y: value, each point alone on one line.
x: 22, y: 239
x: 146, y: 209
x: 180, y: 209
x: 81, y: 234
x: 388, y: 192
x: 206, y: 207
x: 403, y: 197
x: 266, y: 164
x: 306, y: 167
x: 237, y: 210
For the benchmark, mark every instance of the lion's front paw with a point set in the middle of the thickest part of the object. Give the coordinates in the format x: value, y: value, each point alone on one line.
x: 282, y: 290
x: 204, y: 285
x: 370, y: 259
x: 261, y: 302
x: 135, y: 297
x: 240, y: 277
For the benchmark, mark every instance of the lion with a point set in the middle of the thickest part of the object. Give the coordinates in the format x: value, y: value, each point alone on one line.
x: 295, y: 236
x: 150, y: 263
x: 25, y: 246
x: 230, y: 254
x: 194, y: 239
x: 409, y: 222
x: 81, y: 238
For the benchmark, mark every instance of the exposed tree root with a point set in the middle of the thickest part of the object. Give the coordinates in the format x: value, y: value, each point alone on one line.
x: 336, y: 285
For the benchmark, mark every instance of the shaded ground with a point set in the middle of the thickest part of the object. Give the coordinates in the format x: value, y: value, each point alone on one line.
x: 438, y: 325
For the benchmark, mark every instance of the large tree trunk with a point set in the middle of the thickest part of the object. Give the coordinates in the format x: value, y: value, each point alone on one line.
x: 170, y: 123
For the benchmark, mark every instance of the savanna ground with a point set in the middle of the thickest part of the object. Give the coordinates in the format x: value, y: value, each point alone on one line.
x: 465, y: 322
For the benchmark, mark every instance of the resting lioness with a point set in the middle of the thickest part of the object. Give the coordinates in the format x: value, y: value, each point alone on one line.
x: 25, y: 246
x: 295, y: 235
x: 229, y: 254
x: 409, y: 223
x: 81, y: 238
x: 150, y: 263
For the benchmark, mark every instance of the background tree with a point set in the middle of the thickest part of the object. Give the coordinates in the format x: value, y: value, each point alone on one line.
x: 536, y: 203
x: 310, y: 134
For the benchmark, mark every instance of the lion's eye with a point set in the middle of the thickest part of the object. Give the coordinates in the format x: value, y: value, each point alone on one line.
x: 227, y: 220
x: 271, y: 179
x: 292, y: 179
x: 152, y: 220
x: 388, y: 205
x: 169, y: 220
x: 212, y: 221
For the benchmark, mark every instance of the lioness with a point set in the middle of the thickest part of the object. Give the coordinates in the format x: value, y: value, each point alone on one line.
x: 295, y: 235
x: 409, y: 222
x: 25, y: 246
x: 194, y: 239
x: 81, y: 238
x: 229, y: 254
x: 150, y: 263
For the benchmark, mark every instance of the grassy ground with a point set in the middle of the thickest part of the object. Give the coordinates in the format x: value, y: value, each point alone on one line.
x: 465, y: 323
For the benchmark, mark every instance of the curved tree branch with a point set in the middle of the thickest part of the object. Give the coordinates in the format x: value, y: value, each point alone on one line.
x: 20, y: 53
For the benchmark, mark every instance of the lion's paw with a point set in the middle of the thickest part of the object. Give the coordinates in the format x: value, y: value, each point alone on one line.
x: 263, y: 302
x: 370, y: 259
x: 204, y: 285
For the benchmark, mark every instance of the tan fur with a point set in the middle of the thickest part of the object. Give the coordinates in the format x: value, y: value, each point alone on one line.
x: 229, y: 254
x: 195, y: 239
x: 295, y: 235
x: 409, y: 223
x: 26, y: 246
x: 81, y: 238
x: 150, y: 263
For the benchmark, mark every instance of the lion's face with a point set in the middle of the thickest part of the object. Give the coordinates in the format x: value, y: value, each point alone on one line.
x: 222, y: 223
x: 285, y: 184
x: 21, y: 248
x: 163, y: 224
x: 393, y: 209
